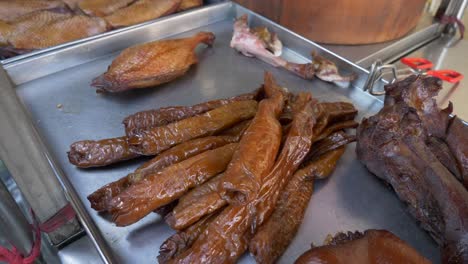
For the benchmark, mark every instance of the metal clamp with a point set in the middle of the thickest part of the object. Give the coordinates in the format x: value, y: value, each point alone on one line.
x: 377, y: 71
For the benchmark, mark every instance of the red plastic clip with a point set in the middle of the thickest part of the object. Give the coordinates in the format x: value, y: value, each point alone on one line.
x: 450, y: 76
x: 13, y: 256
x: 417, y: 63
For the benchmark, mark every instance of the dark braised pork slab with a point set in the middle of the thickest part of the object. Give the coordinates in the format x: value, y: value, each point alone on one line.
x: 397, y: 146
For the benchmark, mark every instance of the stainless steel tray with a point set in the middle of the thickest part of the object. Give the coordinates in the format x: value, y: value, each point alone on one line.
x: 352, y: 199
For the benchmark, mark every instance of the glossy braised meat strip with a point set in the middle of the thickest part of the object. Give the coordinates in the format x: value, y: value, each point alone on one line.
x: 189, y: 4
x: 158, y: 139
x: 374, y: 246
x: 294, y: 150
x: 336, y: 127
x: 102, y: 8
x: 330, y: 143
x: 207, y: 198
x: 5, y: 31
x: 338, y: 111
x: 10, y: 10
x: 250, y: 44
x: 183, y: 240
x: 100, y: 199
x: 56, y: 32
x: 257, y: 149
x: 151, y: 64
x: 226, y: 238
x: 141, y: 11
x: 145, y: 120
x: 197, y: 203
x: 169, y: 184
x: 96, y: 153
x: 392, y: 145
x: 457, y: 141
x: 276, y: 233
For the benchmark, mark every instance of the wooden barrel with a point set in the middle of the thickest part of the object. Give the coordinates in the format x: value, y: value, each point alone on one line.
x: 342, y: 21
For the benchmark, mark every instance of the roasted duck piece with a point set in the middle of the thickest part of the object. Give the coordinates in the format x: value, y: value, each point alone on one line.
x: 11, y: 32
x: 188, y: 4
x: 102, y: 8
x: 372, y: 247
x: 169, y: 184
x: 250, y: 44
x: 183, y: 240
x: 53, y: 31
x: 13, y: 9
x: 276, y: 233
x: 227, y: 236
x: 141, y: 11
x: 200, y: 201
x: 159, y: 139
x: 145, y: 120
x: 150, y: 64
x: 393, y: 145
x: 257, y: 149
x: 100, y: 199
x: 96, y: 153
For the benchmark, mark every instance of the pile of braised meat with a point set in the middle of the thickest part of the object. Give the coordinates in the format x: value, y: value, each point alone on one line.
x: 228, y: 175
x: 27, y: 25
x: 422, y: 152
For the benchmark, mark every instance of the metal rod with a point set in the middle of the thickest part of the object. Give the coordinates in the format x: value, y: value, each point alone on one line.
x: 29, y: 162
x: 15, y: 227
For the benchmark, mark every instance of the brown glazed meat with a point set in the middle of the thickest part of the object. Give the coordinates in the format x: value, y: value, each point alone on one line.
x: 275, y: 234
x: 226, y: 237
x: 393, y: 145
x: 330, y: 143
x: 372, y: 247
x: 183, y: 240
x: 10, y: 10
x: 197, y: 203
x: 141, y: 11
x: 158, y: 139
x: 100, y: 199
x: 96, y: 153
x: 145, y: 120
x: 169, y: 184
x: 102, y: 8
x: 151, y: 64
x: 188, y: 4
x: 257, y: 149
x: 58, y: 32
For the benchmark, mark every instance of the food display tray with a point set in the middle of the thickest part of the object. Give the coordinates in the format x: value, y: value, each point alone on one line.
x: 55, y: 88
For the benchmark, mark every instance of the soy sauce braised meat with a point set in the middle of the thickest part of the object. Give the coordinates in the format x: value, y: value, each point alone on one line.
x: 370, y: 247
x: 225, y: 172
x: 397, y: 145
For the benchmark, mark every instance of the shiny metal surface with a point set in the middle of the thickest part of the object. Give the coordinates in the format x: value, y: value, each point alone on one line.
x: 352, y: 199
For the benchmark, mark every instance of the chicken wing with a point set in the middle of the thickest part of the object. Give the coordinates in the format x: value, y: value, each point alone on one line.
x: 152, y: 63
